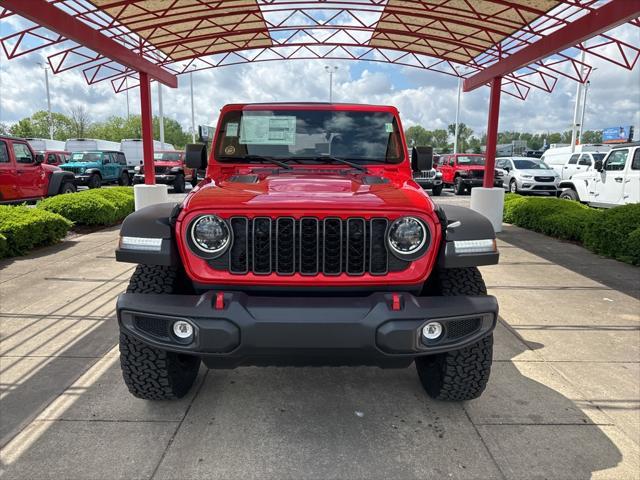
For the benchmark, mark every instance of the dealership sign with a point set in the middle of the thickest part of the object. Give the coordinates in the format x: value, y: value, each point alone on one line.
x: 617, y: 134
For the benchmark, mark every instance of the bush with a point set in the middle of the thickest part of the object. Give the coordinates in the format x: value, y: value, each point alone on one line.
x: 23, y: 228
x: 616, y: 233
x: 92, y: 207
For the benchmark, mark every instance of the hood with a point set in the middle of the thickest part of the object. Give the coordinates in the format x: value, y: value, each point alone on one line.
x: 167, y: 163
x: 471, y: 167
x: 313, y: 190
x: 80, y: 165
x: 537, y: 172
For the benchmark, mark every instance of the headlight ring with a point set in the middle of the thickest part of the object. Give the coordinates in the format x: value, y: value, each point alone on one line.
x: 408, y: 238
x: 209, y: 236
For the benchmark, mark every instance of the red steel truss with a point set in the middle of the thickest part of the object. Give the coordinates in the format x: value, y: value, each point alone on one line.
x: 513, y: 45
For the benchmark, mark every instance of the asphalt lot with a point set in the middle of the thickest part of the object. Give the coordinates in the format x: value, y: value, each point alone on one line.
x: 563, y: 400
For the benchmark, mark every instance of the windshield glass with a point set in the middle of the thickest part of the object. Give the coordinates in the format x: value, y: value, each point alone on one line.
x: 465, y: 160
x: 530, y: 165
x: 167, y: 156
x: 86, y: 157
x: 309, y: 134
x: 598, y: 156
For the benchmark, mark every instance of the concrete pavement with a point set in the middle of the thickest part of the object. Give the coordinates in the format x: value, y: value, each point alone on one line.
x: 563, y: 400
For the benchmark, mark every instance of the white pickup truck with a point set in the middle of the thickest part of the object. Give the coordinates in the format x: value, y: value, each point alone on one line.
x: 613, y: 181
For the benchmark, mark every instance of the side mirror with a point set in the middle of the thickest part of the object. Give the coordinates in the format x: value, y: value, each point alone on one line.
x: 39, y: 158
x: 421, y: 158
x: 598, y: 165
x: 507, y: 169
x: 196, y: 156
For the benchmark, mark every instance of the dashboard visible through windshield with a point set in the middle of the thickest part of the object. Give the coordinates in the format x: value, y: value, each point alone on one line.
x: 300, y: 136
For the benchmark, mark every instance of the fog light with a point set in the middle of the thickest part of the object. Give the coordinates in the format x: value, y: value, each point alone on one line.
x: 182, y: 329
x: 432, y: 331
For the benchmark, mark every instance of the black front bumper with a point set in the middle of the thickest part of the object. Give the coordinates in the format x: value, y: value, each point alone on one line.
x: 165, y: 179
x: 258, y: 330
x: 477, y: 182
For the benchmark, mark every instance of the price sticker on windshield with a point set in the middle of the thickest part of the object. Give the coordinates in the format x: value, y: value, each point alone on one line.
x: 388, y: 127
x: 263, y: 130
x: 232, y: 130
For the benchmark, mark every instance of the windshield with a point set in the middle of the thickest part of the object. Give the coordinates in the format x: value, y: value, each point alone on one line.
x: 86, y: 157
x: 167, y: 156
x: 465, y: 160
x: 360, y: 137
x: 598, y: 156
x: 530, y: 165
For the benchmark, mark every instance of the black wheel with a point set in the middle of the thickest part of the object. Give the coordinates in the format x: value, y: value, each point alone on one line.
x: 458, y: 187
x: 124, y: 179
x: 437, y: 190
x: 570, y: 194
x: 460, y: 374
x: 68, y: 187
x: 95, y: 181
x: 151, y: 373
x: 178, y: 183
x: 513, y: 186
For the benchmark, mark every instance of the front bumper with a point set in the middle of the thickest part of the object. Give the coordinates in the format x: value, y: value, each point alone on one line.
x: 532, y: 186
x: 258, y: 330
x: 477, y: 182
x: 428, y: 182
x: 163, y: 179
x: 82, y: 179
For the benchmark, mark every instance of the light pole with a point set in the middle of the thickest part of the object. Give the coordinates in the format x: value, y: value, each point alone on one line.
x: 161, y: 114
x: 193, y: 114
x: 46, y: 84
x: 584, y: 108
x: 457, y: 131
x: 126, y: 86
x: 330, y: 70
x: 577, y: 107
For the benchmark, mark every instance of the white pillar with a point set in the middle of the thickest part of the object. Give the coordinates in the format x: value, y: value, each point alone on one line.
x: 145, y: 195
x: 193, y: 114
x: 490, y: 203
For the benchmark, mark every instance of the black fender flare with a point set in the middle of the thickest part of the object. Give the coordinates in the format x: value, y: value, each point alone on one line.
x: 56, y: 180
x: 155, y: 221
x: 91, y: 171
x: 460, y: 224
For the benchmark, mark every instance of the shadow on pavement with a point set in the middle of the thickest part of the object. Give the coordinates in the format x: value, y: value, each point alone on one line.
x: 615, y: 275
x: 317, y: 423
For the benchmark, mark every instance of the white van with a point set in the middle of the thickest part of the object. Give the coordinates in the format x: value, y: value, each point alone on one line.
x: 567, y: 163
x: 132, y: 149
x: 90, y: 144
x: 612, y: 182
x: 46, y: 144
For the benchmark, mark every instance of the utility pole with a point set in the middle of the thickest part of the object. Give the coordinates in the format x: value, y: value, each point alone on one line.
x: 330, y: 70
x: 457, y: 131
x: 193, y: 114
x: 161, y: 114
x: 577, y: 108
x: 584, y: 107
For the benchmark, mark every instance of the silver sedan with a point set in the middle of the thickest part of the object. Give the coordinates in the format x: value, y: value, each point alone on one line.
x: 528, y: 175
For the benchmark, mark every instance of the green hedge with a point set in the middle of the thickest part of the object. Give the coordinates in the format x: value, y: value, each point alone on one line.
x: 104, y: 206
x: 614, y: 233
x: 23, y: 228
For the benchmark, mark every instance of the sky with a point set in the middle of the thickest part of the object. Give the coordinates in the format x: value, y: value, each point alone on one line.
x: 423, y: 97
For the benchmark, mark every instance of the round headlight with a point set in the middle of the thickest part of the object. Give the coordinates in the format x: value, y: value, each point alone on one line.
x: 210, y: 234
x: 407, y: 236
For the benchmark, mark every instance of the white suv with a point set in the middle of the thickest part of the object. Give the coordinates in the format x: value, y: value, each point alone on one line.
x: 612, y: 182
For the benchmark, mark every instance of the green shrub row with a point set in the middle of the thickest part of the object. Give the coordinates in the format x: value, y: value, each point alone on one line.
x: 23, y: 228
x: 103, y: 206
x: 614, y: 232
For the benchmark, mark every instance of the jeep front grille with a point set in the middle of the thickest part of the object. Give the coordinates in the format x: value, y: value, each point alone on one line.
x: 308, y: 246
x: 72, y: 169
x: 162, y: 170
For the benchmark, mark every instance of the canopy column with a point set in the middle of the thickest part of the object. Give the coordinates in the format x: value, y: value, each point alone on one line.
x: 489, y: 200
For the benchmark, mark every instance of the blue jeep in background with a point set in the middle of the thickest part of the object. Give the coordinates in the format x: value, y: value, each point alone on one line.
x: 97, y: 167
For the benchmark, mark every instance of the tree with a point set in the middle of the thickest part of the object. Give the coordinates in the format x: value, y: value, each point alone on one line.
x: 79, y: 121
x: 592, y: 136
x: 475, y: 145
x: 37, y: 125
x: 418, y: 136
x: 464, y: 133
x: 441, y: 139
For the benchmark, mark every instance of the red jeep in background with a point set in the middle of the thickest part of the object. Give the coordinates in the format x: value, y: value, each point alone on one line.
x: 308, y: 243
x: 463, y: 171
x: 53, y: 157
x: 24, y: 177
x: 170, y: 170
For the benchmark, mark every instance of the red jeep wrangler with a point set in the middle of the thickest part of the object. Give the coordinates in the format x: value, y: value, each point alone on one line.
x: 24, y: 177
x: 308, y: 243
x: 170, y: 170
x: 464, y: 171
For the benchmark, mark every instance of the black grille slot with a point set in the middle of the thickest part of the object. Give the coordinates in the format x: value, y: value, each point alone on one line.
x: 477, y: 173
x: 544, y: 179
x: 158, y: 327
x: 162, y: 170
x: 308, y: 246
x: 461, y: 328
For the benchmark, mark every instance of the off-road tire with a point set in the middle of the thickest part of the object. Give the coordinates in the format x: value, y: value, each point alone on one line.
x: 67, y: 187
x: 124, y: 180
x: 570, y: 194
x: 178, y: 183
x: 95, y: 181
x: 151, y: 373
x: 436, y: 191
x: 458, y: 187
x: 460, y: 374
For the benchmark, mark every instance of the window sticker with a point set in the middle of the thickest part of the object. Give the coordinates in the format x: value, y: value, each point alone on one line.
x: 388, y: 127
x: 232, y: 130
x: 262, y: 130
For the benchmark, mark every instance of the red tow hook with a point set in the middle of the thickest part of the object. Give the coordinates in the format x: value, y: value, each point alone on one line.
x: 396, y: 302
x: 219, y: 305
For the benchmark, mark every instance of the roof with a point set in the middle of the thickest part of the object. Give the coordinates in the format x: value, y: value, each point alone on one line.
x: 455, y: 37
x: 311, y: 106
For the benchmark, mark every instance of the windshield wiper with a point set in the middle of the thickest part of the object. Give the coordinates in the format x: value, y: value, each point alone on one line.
x: 259, y: 158
x: 331, y: 158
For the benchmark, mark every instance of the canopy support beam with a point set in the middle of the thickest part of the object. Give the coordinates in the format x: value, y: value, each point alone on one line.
x: 147, y: 129
x: 492, y: 133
